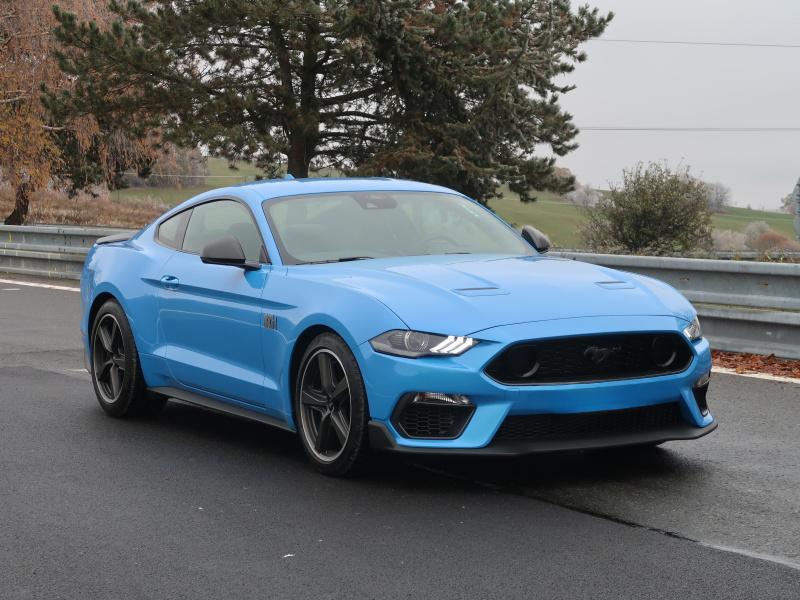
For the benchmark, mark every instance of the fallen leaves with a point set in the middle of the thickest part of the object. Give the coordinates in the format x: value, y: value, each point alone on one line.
x: 757, y: 363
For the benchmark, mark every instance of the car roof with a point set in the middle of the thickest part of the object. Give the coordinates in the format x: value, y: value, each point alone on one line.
x: 276, y: 188
x: 256, y: 192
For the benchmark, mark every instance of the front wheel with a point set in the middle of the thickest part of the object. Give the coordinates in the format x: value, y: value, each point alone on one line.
x: 330, y: 407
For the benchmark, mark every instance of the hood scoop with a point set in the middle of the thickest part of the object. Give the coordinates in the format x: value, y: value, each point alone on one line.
x: 615, y: 285
x: 481, y: 291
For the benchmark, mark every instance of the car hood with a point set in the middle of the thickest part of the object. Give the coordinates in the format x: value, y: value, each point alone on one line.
x: 460, y: 295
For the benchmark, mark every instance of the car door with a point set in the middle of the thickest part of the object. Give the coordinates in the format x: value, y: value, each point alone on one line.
x: 211, y: 315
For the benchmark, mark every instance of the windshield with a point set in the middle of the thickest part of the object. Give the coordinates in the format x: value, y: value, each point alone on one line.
x: 358, y: 225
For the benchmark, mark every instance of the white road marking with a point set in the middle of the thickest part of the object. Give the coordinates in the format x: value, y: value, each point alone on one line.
x: 767, y: 376
x: 10, y: 289
x: 47, y: 286
x: 780, y: 560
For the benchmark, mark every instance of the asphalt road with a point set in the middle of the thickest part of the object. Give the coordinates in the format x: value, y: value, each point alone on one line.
x: 194, y: 505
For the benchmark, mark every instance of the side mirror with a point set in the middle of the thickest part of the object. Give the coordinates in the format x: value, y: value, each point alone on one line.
x: 537, y: 239
x: 227, y: 251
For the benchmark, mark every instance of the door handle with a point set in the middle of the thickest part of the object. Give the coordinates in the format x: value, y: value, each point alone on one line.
x: 170, y: 282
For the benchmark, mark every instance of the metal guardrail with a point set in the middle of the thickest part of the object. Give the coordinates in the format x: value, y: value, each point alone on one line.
x: 53, y: 251
x: 745, y: 306
x: 779, y: 256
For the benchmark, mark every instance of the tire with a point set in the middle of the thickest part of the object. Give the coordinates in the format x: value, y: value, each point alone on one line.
x: 115, y: 369
x: 331, y: 411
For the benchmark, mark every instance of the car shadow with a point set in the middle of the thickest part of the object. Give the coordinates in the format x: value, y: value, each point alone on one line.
x: 587, y: 468
x: 536, y: 472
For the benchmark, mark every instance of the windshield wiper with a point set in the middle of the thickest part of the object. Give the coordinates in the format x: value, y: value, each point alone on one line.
x: 335, y: 260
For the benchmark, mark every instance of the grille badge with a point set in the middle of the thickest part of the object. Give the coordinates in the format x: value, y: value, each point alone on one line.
x: 597, y: 355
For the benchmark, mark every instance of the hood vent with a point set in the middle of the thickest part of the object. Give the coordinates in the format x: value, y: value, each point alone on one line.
x: 481, y: 291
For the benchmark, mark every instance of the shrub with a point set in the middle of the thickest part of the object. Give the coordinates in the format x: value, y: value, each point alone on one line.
x: 753, y: 231
x: 725, y: 240
x: 655, y: 211
x: 772, y: 241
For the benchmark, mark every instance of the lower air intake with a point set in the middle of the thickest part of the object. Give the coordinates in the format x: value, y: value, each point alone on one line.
x: 544, y: 427
x: 424, y: 420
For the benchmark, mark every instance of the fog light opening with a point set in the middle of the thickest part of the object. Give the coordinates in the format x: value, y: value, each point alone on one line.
x: 432, y: 415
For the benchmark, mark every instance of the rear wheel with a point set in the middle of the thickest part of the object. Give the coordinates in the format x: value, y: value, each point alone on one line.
x: 331, y: 407
x: 116, y: 373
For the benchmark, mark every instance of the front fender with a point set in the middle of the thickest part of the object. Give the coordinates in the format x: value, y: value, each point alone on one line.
x: 301, y: 304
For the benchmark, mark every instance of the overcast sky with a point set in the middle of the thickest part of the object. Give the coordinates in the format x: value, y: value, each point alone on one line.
x: 693, y: 86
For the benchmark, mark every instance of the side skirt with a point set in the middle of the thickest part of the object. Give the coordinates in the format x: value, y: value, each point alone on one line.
x: 220, y: 406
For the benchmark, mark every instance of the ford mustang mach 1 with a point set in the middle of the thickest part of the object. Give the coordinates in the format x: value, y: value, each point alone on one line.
x: 378, y: 314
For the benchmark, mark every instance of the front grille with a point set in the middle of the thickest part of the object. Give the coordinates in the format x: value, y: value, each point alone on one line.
x: 587, y: 425
x: 433, y: 421
x: 589, y: 358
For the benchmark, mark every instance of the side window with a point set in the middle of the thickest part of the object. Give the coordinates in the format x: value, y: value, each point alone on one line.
x: 170, y: 232
x: 213, y: 220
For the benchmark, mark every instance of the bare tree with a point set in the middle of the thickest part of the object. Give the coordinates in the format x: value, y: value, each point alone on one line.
x: 718, y: 197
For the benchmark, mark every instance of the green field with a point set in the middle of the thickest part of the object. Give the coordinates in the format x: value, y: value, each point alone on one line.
x: 559, y: 219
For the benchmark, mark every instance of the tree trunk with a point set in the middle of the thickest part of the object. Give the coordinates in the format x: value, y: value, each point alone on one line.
x: 21, y: 203
x: 299, y: 157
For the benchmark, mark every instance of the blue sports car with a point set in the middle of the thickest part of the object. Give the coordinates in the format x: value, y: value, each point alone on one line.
x: 377, y: 314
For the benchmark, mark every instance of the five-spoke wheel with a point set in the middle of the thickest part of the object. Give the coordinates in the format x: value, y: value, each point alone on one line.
x: 325, y: 399
x: 330, y: 405
x: 116, y: 374
x: 108, y: 356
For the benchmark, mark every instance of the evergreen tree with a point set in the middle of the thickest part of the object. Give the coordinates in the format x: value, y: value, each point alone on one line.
x: 460, y: 93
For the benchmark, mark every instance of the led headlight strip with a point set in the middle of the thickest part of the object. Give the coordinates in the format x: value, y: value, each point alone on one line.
x: 416, y: 344
x: 453, y: 345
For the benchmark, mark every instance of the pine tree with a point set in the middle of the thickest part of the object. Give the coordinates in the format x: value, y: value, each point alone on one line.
x: 463, y: 94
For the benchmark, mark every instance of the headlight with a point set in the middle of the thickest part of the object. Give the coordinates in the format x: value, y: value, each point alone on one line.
x: 414, y: 344
x: 693, y: 331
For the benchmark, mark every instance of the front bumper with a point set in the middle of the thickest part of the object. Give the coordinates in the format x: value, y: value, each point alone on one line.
x: 388, y: 378
x: 380, y: 438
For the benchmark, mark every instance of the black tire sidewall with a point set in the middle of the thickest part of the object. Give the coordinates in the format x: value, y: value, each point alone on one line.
x: 356, y: 448
x: 132, y: 381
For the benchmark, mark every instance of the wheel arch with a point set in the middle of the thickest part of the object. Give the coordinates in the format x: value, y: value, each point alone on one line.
x: 303, y: 341
x: 98, y: 301
x: 308, y: 335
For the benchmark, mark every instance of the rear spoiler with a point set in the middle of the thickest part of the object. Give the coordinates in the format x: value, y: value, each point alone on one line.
x: 117, y: 237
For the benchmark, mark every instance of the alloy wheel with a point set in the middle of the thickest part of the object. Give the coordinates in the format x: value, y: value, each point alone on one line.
x: 108, y: 356
x: 325, y: 405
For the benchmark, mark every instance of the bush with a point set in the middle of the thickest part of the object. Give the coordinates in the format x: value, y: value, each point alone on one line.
x: 655, y: 211
x: 772, y: 241
x: 753, y: 231
x: 725, y: 240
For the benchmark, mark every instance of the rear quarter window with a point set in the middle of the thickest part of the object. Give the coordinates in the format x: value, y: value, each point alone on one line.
x: 170, y: 232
